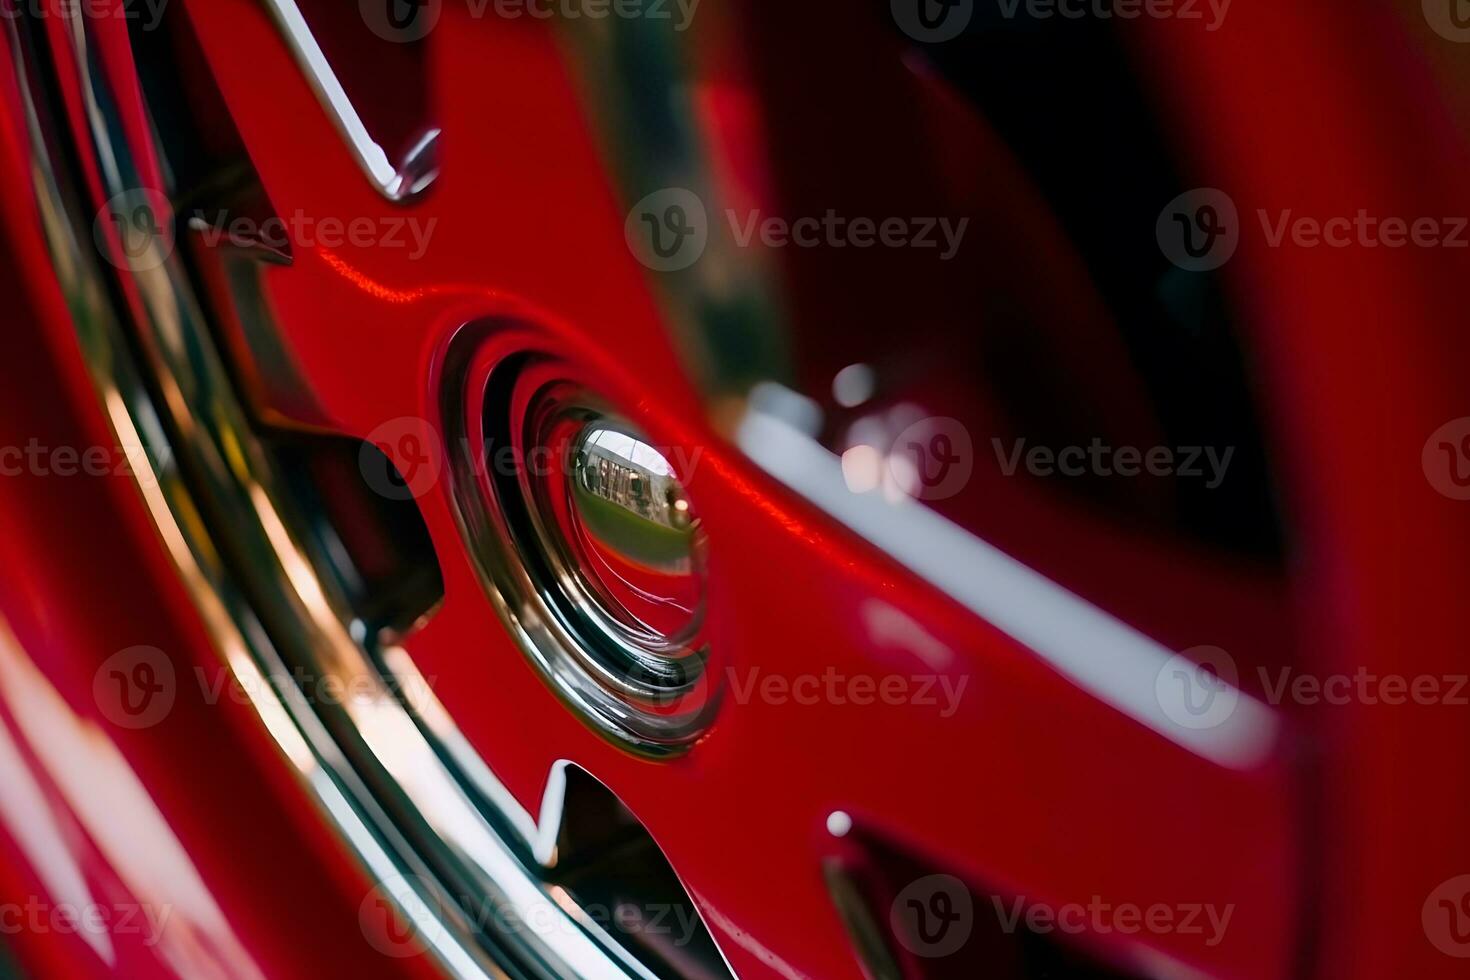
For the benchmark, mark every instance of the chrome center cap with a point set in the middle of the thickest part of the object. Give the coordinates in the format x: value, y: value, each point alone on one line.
x: 595, y: 554
x: 624, y: 545
x: 636, y: 532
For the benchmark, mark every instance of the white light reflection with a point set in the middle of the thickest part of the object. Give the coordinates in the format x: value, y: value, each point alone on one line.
x: 319, y: 71
x: 36, y: 829
x: 121, y: 819
x: 862, y: 468
x: 853, y: 385
x: 1100, y: 654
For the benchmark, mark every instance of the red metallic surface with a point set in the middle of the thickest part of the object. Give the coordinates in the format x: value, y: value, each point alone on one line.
x: 195, y: 820
x: 1327, y: 848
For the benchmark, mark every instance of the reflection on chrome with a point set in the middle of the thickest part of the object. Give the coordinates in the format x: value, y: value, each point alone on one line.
x: 596, y: 566
x: 623, y: 470
x: 1100, y: 654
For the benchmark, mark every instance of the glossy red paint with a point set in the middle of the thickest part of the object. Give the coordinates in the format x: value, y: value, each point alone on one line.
x: 1326, y: 846
x: 195, y: 821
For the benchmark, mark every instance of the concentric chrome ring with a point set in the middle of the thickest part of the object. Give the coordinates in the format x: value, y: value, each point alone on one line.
x: 587, y: 541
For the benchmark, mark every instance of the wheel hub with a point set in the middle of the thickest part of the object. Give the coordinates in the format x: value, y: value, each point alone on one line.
x: 585, y: 535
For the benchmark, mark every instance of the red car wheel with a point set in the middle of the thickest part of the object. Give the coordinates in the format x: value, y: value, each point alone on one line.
x: 662, y: 490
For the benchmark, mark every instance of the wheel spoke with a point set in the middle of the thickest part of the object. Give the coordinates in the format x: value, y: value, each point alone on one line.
x: 359, y: 322
x: 285, y: 123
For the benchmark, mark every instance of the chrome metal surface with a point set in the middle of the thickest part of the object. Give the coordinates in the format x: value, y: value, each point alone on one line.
x: 615, y: 521
x: 613, y: 465
x: 602, y: 584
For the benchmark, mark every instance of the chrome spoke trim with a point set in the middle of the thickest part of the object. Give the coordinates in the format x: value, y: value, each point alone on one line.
x: 1097, y: 652
x: 398, y: 182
